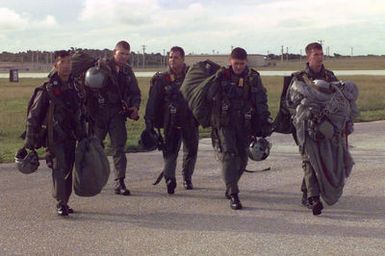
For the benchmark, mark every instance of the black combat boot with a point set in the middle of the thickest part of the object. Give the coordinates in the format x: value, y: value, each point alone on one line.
x: 120, y: 188
x: 227, y: 195
x: 70, y: 210
x: 315, y: 205
x: 305, y: 201
x: 171, y: 185
x: 62, y: 210
x: 187, y: 184
x: 235, y: 203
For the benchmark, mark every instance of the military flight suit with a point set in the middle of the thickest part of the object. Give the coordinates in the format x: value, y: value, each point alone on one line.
x: 166, y: 108
x: 309, y: 185
x: 106, y: 111
x: 57, y: 106
x: 240, y: 111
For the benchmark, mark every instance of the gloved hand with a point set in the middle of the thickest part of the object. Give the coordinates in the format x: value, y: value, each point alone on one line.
x: 49, y: 157
x: 349, y: 127
x: 29, y: 145
x: 267, y: 128
x: 133, y: 113
x: 31, y: 139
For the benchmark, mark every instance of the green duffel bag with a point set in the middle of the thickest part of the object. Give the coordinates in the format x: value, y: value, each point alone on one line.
x: 195, y: 87
x: 80, y: 62
x: 92, y: 169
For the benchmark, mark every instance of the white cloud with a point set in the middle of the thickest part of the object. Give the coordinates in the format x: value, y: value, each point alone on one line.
x: 156, y: 15
x: 10, y: 20
x: 201, y: 26
x: 128, y: 12
x: 206, y: 25
x: 48, y: 22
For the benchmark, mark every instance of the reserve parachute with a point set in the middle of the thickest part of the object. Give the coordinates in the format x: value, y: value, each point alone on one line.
x: 323, y: 120
x: 195, y: 87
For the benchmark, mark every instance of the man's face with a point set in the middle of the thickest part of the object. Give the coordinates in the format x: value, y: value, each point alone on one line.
x: 315, y: 58
x: 175, y: 60
x: 121, y: 56
x: 63, y: 66
x: 238, y: 65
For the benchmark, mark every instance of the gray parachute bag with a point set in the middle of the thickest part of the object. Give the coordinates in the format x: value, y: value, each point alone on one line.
x: 92, y: 169
x: 194, y: 89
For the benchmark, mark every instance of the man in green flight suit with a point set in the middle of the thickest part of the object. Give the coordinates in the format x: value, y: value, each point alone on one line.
x: 240, y: 112
x: 166, y: 108
x: 110, y: 106
x: 56, y: 108
x: 307, y: 131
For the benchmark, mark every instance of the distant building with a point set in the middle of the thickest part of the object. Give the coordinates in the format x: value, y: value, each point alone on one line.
x: 255, y: 60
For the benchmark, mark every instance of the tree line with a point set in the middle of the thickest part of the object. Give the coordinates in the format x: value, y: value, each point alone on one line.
x: 45, y: 57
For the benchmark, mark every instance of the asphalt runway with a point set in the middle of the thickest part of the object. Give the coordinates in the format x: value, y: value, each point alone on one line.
x: 200, y: 222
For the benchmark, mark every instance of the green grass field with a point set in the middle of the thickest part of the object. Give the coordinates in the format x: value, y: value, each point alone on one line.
x: 14, y: 97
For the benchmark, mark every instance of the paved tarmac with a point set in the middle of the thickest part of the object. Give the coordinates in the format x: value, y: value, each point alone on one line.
x: 200, y: 222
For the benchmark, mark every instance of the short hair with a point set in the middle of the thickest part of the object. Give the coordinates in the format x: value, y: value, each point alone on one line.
x: 123, y: 44
x: 61, y: 54
x: 238, y: 53
x: 178, y: 49
x: 313, y: 46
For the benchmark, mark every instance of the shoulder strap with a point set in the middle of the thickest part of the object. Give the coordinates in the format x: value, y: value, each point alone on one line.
x: 50, y: 121
x: 253, y: 78
x: 50, y: 125
x: 329, y: 76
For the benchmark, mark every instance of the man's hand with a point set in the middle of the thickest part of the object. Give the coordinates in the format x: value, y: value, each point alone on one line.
x: 29, y: 145
x: 133, y: 113
x: 267, y: 128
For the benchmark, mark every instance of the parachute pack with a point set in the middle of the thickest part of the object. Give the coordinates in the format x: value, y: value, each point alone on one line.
x: 282, y: 122
x: 195, y: 87
x: 81, y: 62
x: 92, y: 169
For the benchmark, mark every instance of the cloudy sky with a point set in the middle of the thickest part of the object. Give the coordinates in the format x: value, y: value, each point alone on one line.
x: 199, y: 26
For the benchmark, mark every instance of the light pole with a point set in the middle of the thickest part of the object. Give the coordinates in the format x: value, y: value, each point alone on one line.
x: 281, y: 53
x: 144, y: 58
x: 287, y: 54
x: 300, y: 55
